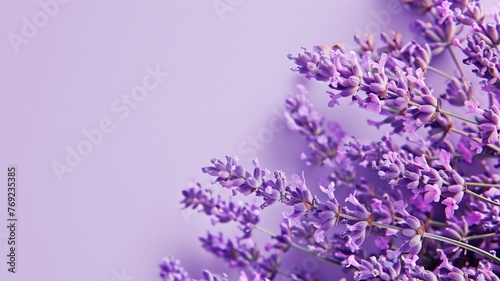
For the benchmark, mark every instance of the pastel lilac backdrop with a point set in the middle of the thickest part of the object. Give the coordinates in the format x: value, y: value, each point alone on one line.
x: 117, y: 211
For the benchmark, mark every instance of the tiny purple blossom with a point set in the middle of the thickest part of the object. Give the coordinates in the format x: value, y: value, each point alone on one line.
x: 433, y: 193
x: 419, y: 79
x: 171, y: 270
x: 444, y: 160
x: 329, y: 190
x: 473, y: 107
x: 430, y: 168
x: 446, y: 12
x: 334, y: 99
x: 451, y: 206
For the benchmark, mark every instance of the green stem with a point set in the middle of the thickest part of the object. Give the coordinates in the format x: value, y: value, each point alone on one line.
x: 460, y: 132
x: 457, y: 62
x: 480, y: 197
x: 378, y: 224
x: 447, y: 113
x: 464, y: 246
x: 482, y: 155
x: 440, y: 110
x: 432, y: 158
x: 458, y: 116
x: 438, y: 223
x: 478, y: 140
x: 298, y: 246
x: 440, y: 72
x: 460, y: 68
x: 483, y: 184
x: 438, y: 238
x: 265, y: 231
x: 481, y: 236
x: 314, y: 254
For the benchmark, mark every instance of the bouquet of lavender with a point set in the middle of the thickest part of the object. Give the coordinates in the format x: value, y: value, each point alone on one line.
x: 434, y: 215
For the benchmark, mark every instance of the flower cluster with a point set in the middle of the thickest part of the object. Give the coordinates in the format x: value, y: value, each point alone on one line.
x: 420, y: 203
x: 323, y: 138
x: 171, y: 270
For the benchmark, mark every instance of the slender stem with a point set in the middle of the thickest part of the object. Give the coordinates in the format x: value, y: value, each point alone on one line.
x: 448, y: 113
x: 460, y: 132
x: 462, y: 72
x: 298, y: 246
x: 438, y: 223
x: 458, y: 116
x: 482, y: 155
x: 265, y: 231
x: 314, y: 254
x: 440, y: 110
x: 457, y: 62
x: 440, y: 72
x: 478, y: 140
x: 481, y: 236
x: 463, y: 245
x: 456, y: 155
x: 483, y: 184
x: 378, y: 224
x: 480, y: 197
x: 383, y: 225
x: 439, y: 238
x: 391, y: 110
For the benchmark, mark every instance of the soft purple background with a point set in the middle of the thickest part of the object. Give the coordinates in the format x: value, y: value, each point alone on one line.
x: 117, y: 211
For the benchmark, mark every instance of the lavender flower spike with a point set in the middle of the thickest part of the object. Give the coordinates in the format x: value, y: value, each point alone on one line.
x: 420, y: 203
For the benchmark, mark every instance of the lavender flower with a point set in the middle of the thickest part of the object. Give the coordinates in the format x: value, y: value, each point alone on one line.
x: 483, y: 57
x: 412, y: 232
x: 239, y: 253
x: 172, y: 270
x: 323, y: 138
x: 421, y: 203
x: 198, y: 198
